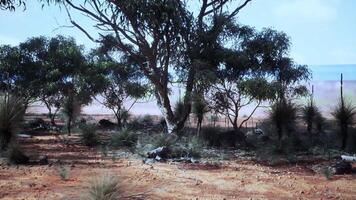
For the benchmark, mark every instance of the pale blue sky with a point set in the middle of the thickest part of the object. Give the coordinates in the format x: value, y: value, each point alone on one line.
x: 323, y: 32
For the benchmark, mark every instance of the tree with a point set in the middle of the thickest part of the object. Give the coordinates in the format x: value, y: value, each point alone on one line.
x: 164, y: 38
x: 312, y: 116
x: 59, y: 66
x: 345, y: 115
x: 21, y: 73
x: 122, y: 83
x: 71, y: 109
x: 256, y: 71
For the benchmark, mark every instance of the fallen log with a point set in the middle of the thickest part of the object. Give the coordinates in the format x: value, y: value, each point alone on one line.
x: 348, y: 158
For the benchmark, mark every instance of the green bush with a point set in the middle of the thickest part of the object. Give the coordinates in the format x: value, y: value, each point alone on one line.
x: 63, y: 172
x: 283, y: 115
x: 15, y: 155
x: 88, y: 134
x: 312, y: 117
x: 345, y: 115
x: 105, y: 187
x: 163, y: 140
x: 124, y: 138
x: 12, y: 110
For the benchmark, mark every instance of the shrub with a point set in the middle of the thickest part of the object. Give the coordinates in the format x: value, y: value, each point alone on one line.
x: 106, y: 124
x: 105, y: 187
x: 210, y: 136
x: 141, y: 122
x: 71, y: 110
x: 12, y: 110
x: 63, y: 172
x: 88, y: 134
x: 345, y: 115
x: 163, y: 140
x: 37, y: 123
x: 15, y: 155
x: 283, y: 115
x: 199, y: 108
x: 124, y: 138
x: 312, y: 117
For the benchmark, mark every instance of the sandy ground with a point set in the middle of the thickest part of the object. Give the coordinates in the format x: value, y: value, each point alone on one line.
x: 240, y: 179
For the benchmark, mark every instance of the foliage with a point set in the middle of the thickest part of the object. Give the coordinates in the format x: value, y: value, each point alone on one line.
x: 124, y: 138
x: 106, y: 124
x: 162, y: 140
x: 312, y: 117
x: 88, y: 134
x: 12, y: 111
x: 345, y: 116
x: 63, y: 172
x: 71, y: 109
x: 122, y: 83
x: 200, y: 108
x: 328, y: 173
x: 15, y: 155
x: 105, y: 187
x: 164, y: 38
x: 283, y: 115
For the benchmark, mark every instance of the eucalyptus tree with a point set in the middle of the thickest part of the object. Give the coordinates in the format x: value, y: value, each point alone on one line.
x: 167, y: 39
x: 255, y: 71
x: 122, y: 83
x: 20, y: 73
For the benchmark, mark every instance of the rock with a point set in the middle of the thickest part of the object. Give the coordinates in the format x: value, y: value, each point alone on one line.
x: 43, y: 160
x: 341, y: 167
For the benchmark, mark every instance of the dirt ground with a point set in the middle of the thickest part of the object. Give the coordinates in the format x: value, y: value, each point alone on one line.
x: 240, y: 179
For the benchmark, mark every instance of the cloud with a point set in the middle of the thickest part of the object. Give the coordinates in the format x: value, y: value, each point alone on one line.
x: 307, y: 10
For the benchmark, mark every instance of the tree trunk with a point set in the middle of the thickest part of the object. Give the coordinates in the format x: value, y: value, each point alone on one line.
x: 344, y: 136
x: 200, y: 121
x: 69, y: 122
x: 234, y: 124
x: 118, y: 120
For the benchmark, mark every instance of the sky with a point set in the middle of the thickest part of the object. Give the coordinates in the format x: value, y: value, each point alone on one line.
x: 322, y: 33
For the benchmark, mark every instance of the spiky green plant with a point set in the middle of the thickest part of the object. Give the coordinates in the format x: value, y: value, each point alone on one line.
x: 200, y: 108
x: 345, y: 115
x: 163, y: 140
x: 124, y: 138
x: 308, y: 115
x: 283, y: 115
x: 12, y: 110
x: 105, y: 187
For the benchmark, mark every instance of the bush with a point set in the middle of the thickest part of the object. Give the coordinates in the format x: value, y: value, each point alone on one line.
x: 88, y: 134
x: 312, y: 117
x: 215, y: 137
x: 345, y: 115
x: 71, y: 109
x: 106, y: 124
x: 15, y: 155
x: 12, y: 111
x: 124, y: 138
x: 37, y: 123
x: 63, y: 172
x: 105, y: 187
x: 163, y: 140
x: 283, y: 115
